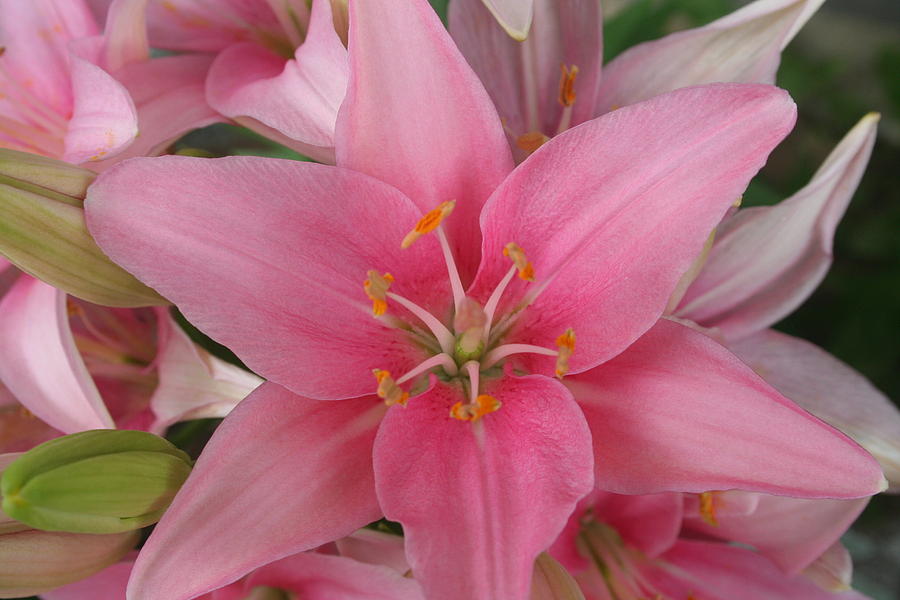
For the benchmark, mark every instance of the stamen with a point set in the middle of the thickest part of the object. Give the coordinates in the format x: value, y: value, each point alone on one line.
x: 708, y: 508
x: 483, y: 405
x: 517, y: 256
x: 567, y: 85
x: 566, y: 344
x: 491, y: 305
x: 376, y: 287
x: 501, y: 352
x: 531, y: 141
x: 441, y: 333
x: 429, y: 222
x: 388, y: 390
x: 438, y: 360
x: 456, y: 286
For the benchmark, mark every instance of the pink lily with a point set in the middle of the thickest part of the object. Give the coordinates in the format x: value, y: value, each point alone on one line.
x: 79, y: 366
x: 536, y: 101
x: 764, y: 263
x: 68, y: 92
x: 632, y: 547
x: 273, y: 268
x: 281, y: 68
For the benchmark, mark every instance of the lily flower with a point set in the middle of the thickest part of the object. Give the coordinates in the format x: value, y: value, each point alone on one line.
x: 350, y: 292
x: 763, y: 264
x: 554, y: 79
x: 66, y: 91
x: 633, y: 547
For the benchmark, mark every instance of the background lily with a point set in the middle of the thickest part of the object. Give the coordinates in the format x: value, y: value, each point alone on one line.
x: 632, y: 547
x: 69, y: 92
x: 536, y: 101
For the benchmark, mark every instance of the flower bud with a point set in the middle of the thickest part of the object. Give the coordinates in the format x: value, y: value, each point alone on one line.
x: 101, y: 481
x: 43, y: 231
x: 551, y: 581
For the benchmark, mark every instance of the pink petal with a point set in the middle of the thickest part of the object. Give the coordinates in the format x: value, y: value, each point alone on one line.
x: 833, y: 570
x: 41, y: 366
x: 767, y: 260
x: 376, y: 548
x: 610, y: 238
x: 36, y: 35
x: 104, y: 120
x: 523, y: 78
x: 791, y: 532
x: 677, y: 412
x: 721, y: 572
x: 649, y: 522
x: 192, y: 383
x: 320, y: 577
x: 417, y: 117
x: 197, y: 25
x: 298, y: 98
x: 513, y: 15
x: 109, y: 583
x: 125, y: 34
x: 743, y: 47
x: 280, y: 475
x: 829, y: 389
x: 479, y: 501
x: 170, y: 99
x: 274, y: 267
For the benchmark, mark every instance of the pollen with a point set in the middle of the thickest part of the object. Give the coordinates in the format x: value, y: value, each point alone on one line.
x: 429, y: 222
x: 531, y: 141
x: 388, y: 390
x: 376, y: 287
x: 708, y: 508
x: 566, y: 345
x: 567, y: 85
x: 515, y: 253
x: 483, y: 405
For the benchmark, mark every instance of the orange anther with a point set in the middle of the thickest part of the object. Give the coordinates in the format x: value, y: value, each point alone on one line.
x: 483, y: 405
x: 708, y: 508
x: 376, y: 287
x: 566, y: 345
x: 567, y: 85
x: 388, y: 390
x: 517, y: 256
x: 429, y: 222
x: 531, y: 141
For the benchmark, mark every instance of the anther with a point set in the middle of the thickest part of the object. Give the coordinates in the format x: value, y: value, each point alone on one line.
x: 708, y: 508
x: 483, y: 405
x: 567, y: 85
x: 531, y: 141
x: 376, y: 287
x: 429, y: 222
x: 517, y: 256
x: 388, y: 390
x: 566, y: 344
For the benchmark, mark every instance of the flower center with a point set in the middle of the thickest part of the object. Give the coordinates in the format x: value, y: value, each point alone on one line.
x: 472, y: 345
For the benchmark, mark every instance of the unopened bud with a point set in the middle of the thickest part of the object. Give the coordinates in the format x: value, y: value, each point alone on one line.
x: 44, y: 232
x: 102, y: 481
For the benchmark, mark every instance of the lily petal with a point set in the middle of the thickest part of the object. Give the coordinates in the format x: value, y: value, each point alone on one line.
x: 322, y: 577
x: 513, y: 15
x: 125, y: 34
x: 743, y: 47
x: 298, y: 98
x: 192, y: 383
x: 463, y: 490
x: 677, y: 412
x: 610, y: 239
x: 323, y: 229
x: 791, y: 532
x: 417, y: 117
x: 766, y: 261
x: 198, y: 26
x: 108, y: 583
x: 41, y: 366
x: 829, y: 389
x: 280, y: 475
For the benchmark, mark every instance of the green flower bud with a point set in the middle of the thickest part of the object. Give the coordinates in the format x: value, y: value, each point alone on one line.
x: 101, y: 481
x: 43, y: 232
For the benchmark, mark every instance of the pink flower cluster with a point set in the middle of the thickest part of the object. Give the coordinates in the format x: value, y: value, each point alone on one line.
x: 513, y: 307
